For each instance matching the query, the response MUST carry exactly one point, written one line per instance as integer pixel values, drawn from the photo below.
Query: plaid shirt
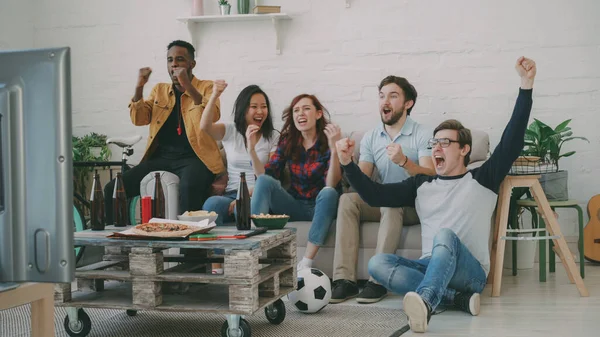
(307, 175)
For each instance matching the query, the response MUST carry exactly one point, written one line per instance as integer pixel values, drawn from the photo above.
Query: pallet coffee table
(258, 272)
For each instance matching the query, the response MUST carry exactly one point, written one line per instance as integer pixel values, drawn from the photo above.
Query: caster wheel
(275, 312)
(81, 328)
(131, 313)
(243, 330)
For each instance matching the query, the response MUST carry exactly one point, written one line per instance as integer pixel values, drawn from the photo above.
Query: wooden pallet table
(258, 272)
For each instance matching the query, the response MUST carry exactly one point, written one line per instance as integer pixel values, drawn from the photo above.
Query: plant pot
(197, 7)
(225, 9)
(525, 254)
(555, 185)
(243, 6)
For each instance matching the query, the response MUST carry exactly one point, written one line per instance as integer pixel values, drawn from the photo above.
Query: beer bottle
(242, 204)
(97, 204)
(158, 200)
(120, 210)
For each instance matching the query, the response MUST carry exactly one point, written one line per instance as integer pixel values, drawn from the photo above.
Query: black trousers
(195, 180)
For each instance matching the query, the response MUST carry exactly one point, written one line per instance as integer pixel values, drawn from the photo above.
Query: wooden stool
(532, 206)
(41, 297)
(499, 241)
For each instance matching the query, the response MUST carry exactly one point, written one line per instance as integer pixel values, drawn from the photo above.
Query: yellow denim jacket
(155, 110)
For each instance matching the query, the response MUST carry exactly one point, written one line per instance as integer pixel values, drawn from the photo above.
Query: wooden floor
(525, 307)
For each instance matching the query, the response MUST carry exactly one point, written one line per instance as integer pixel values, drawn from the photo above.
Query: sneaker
(418, 312)
(467, 302)
(343, 290)
(371, 293)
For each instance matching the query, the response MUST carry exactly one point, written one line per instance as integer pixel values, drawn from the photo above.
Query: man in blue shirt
(398, 149)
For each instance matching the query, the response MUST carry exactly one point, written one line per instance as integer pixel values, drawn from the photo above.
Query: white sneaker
(417, 312)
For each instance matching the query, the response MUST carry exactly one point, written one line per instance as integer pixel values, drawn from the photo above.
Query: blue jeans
(450, 269)
(268, 196)
(220, 204)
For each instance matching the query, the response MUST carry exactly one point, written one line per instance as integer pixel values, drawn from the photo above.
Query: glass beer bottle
(120, 210)
(158, 200)
(242, 204)
(97, 204)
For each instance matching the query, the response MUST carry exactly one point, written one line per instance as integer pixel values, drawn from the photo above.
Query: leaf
(571, 138)
(568, 154)
(562, 125)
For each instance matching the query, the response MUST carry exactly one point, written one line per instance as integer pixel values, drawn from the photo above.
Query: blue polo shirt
(413, 138)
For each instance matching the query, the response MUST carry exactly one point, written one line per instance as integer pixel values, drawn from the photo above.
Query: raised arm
(207, 122)
(492, 172)
(140, 111)
(334, 172)
(375, 194)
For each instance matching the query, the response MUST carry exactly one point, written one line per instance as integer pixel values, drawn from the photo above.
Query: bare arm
(425, 166)
(334, 174)
(366, 167)
(207, 124)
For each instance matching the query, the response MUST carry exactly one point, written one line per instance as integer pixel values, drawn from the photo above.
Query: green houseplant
(542, 151)
(545, 144)
(90, 147)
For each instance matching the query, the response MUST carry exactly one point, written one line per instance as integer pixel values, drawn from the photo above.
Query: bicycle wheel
(79, 225)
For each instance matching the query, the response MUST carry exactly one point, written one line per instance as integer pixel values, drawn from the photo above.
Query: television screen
(36, 186)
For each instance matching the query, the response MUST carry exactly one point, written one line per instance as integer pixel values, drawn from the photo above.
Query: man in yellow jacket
(175, 143)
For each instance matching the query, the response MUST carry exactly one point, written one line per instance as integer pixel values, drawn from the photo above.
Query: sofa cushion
(411, 235)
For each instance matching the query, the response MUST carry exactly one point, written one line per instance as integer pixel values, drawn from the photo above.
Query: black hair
(180, 43)
(241, 106)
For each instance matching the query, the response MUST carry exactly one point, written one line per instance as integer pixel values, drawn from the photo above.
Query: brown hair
(291, 136)
(410, 93)
(464, 135)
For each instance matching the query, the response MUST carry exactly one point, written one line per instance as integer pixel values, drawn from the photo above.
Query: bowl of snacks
(196, 216)
(270, 221)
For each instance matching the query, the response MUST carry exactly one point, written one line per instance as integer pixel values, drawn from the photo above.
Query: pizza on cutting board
(165, 230)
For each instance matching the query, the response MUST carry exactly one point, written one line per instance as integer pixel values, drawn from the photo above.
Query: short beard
(395, 118)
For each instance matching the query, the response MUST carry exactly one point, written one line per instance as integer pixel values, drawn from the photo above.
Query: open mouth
(439, 161)
(258, 120)
(302, 121)
(387, 112)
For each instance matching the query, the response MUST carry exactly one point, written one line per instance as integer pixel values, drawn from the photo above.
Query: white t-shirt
(238, 159)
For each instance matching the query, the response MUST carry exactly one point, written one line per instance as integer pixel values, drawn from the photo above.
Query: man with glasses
(455, 208)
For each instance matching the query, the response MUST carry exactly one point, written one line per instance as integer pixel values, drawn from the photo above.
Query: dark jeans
(194, 185)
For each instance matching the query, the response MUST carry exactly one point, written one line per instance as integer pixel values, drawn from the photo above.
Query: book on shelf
(266, 9)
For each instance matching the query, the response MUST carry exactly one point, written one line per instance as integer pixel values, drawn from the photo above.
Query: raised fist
(526, 68)
(144, 76)
(345, 149)
(218, 87)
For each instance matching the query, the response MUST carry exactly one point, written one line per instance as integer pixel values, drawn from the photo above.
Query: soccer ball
(313, 292)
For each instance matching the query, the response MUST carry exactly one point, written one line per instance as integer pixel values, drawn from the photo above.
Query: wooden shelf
(193, 23)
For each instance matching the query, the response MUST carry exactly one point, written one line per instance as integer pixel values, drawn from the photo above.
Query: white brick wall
(16, 24)
(459, 54)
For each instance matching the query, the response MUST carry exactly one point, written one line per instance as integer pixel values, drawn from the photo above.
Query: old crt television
(36, 180)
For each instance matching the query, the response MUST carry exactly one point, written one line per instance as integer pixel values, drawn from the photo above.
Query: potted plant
(225, 7)
(545, 145)
(90, 147)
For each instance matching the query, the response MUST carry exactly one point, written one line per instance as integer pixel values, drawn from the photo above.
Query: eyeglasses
(444, 142)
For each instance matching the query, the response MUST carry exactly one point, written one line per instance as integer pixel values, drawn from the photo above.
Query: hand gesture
(144, 76)
(345, 149)
(394, 152)
(218, 88)
(333, 133)
(181, 75)
(526, 68)
(252, 136)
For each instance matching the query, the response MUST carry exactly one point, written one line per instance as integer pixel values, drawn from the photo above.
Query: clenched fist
(527, 70)
(181, 75)
(218, 88)
(252, 136)
(144, 76)
(394, 152)
(345, 149)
